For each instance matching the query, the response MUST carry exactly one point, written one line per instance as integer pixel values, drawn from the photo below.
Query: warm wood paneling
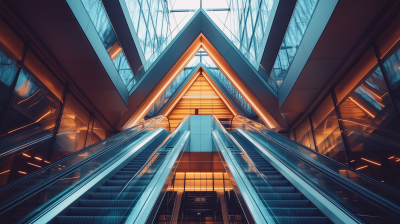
(199, 96)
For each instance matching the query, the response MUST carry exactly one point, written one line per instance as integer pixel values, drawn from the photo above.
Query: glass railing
(243, 163)
(243, 49)
(142, 70)
(221, 78)
(175, 85)
(103, 26)
(369, 200)
(153, 166)
(35, 190)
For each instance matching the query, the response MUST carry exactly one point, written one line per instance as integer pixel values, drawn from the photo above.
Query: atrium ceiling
(123, 55)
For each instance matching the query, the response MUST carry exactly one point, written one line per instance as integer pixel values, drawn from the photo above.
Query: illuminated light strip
(391, 157)
(31, 123)
(26, 155)
(117, 52)
(46, 161)
(28, 97)
(34, 165)
(38, 158)
(181, 94)
(352, 161)
(359, 168)
(166, 82)
(236, 83)
(397, 160)
(202, 41)
(371, 161)
(369, 90)
(5, 172)
(369, 113)
(22, 172)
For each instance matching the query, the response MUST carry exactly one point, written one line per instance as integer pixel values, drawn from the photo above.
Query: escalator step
(295, 211)
(119, 188)
(288, 203)
(274, 177)
(116, 182)
(122, 177)
(282, 196)
(88, 219)
(130, 173)
(303, 219)
(130, 169)
(277, 183)
(96, 211)
(105, 203)
(276, 189)
(271, 173)
(111, 195)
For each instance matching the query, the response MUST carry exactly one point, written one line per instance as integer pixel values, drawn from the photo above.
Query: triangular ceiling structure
(201, 93)
(224, 54)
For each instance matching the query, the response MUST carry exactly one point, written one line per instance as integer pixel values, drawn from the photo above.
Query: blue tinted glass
(217, 75)
(294, 34)
(101, 22)
(175, 85)
(152, 26)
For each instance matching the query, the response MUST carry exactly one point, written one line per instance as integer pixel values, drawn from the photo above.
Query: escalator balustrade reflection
(286, 202)
(104, 204)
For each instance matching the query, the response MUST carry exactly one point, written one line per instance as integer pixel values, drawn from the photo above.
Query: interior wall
(200, 162)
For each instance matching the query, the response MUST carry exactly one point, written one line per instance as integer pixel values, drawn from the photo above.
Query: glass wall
(359, 122)
(102, 24)
(298, 24)
(216, 74)
(40, 119)
(303, 134)
(242, 21)
(328, 138)
(151, 21)
(175, 85)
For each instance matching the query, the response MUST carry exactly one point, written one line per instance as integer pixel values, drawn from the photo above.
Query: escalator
(247, 175)
(103, 204)
(289, 183)
(286, 202)
(99, 184)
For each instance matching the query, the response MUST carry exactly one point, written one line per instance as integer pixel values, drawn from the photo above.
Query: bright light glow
(26, 155)
(391, 157)
(46, 161)
(359, 168)
(371, 161)
(22, 172)
(31, 123)
(38, 158)
(5, 172)
(28, 97)
(34, 165)
(364, 109)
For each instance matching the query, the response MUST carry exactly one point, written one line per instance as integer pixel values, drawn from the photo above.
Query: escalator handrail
(383, 185)
(21, 147)
(33, 174)
(242, 150)
(360, 191)
(161, 146)
(34, 189)
(164, 142)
